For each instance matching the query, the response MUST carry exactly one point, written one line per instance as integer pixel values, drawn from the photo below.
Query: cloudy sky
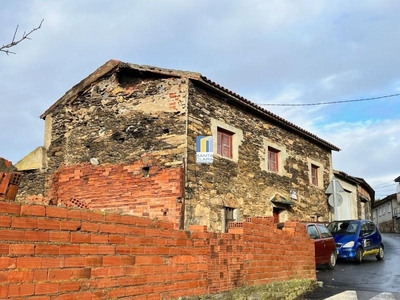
(270, 52)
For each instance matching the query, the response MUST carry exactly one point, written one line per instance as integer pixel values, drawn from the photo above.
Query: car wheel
(359, 255)
(332, 260)
(381, 253)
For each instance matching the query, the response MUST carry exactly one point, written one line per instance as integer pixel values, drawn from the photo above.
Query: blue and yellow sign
(204, 150)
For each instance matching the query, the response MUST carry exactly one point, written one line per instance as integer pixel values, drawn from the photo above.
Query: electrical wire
(331, 102)
(385, 186)
(384, 183)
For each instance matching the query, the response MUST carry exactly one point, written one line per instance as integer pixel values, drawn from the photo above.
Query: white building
(355, 195)
(386, 214)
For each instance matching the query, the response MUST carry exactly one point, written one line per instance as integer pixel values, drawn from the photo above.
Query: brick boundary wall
(144, 188)
(56, 253)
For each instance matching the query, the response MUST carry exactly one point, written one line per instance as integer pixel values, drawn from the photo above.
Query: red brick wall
(127, 188)
(53, 253)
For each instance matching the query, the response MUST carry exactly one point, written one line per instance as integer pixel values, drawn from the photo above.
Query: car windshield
(343, 227)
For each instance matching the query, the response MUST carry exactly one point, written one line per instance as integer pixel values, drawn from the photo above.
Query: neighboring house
(386, 214)
(135, 138)
(357, 198)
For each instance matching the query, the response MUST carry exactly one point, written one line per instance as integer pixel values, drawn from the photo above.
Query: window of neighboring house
(224, 143)
(273, 156)
(383, 210)
(314, 174)
(379, 210)
(388, 208)
(230, 216)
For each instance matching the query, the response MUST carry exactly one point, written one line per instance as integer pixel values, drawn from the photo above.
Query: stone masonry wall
(54, 253)
(244, 184)
(387, 226)
(32, 187)
(110, 126)
(367, 207)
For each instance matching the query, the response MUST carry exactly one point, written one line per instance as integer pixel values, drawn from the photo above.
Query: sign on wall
(204, 150)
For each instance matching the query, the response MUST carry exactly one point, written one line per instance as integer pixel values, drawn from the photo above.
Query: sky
(270, 52)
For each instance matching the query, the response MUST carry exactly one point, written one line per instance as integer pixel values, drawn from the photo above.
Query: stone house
(357, 197)
(174, 145)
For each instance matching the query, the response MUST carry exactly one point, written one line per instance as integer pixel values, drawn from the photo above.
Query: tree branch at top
(6, 48)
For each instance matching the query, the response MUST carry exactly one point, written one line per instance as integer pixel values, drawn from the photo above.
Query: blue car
(356, 239)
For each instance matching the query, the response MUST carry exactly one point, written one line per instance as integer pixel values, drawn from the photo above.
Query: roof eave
(205, 81)
(83, 84)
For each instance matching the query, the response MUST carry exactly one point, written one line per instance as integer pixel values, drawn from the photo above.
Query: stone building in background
(174, 145)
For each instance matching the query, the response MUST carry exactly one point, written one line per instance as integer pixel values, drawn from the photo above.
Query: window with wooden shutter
(273, 159)
(314, 175)
(224, 143)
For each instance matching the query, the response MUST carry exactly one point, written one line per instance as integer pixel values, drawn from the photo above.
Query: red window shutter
(226, 145)
(272, 160)
(219, 137)
(314, 175)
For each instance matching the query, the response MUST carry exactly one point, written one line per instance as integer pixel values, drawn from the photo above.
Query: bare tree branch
(6, 48)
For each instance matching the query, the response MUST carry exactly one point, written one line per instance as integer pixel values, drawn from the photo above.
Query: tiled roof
(272, 116)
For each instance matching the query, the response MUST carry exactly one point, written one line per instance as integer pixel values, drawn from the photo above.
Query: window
(313, 232)
(314, 174)
(227, 140)
(224, 143)
(383, 210)
(324, 231)
(273, 156)
(230, 216)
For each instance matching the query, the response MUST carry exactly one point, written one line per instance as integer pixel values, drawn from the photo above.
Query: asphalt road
(372, 279)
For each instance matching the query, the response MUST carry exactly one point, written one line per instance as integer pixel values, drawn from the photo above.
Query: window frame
(273, 165)
(314, 174)
(282, 157)
(221, 134)
(237, 138)
(320, 169)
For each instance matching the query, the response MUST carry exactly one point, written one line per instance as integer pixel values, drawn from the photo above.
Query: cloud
(276, 51)
(336, 80)
(367, 148)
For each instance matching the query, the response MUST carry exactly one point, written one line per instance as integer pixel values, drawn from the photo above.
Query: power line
(332, 102)
(391, 181)
(384, 186)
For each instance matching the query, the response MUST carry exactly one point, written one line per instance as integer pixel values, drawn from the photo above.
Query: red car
(325, 247)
